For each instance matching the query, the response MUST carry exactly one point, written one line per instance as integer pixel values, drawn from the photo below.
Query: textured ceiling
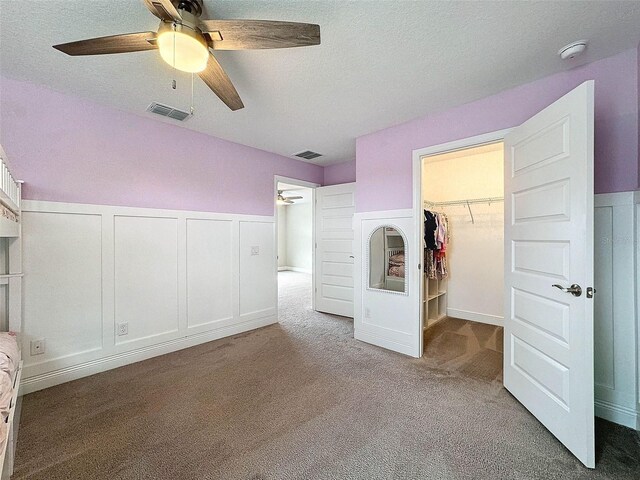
(380, 62)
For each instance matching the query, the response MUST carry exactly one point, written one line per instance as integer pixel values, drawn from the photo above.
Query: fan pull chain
(191, 110)
(173, 82)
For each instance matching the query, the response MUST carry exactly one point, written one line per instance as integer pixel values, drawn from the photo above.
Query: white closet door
(335, 206)
(548, 333)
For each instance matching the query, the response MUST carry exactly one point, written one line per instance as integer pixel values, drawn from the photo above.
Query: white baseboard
(617, 414)
(49, 379)
(476, 317)
(385, 343)
(296, 269)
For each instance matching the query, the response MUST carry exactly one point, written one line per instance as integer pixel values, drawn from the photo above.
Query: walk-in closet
(462, 194)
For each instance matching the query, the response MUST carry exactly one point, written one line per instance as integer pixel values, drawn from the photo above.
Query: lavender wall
(384, 158)
(71, 150)
(344, 172)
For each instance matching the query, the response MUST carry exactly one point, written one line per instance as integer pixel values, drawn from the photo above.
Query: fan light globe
(183, 51)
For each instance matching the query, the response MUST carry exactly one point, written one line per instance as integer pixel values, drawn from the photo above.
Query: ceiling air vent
(308, 155)
(167, 111)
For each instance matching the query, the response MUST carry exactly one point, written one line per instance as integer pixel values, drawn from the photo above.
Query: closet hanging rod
(464, 202)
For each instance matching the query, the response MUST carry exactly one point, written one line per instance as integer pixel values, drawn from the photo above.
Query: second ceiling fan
(282, 200)
(184, 41)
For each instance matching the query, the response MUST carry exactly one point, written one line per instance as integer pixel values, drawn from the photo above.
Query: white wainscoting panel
(636, 240)
(146, 277)
(211, 248)
(63, 285)
(615, 321)
(258, 289)
(176, 278)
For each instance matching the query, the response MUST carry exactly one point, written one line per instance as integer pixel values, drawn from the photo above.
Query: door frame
(418, 154)
(312, 186)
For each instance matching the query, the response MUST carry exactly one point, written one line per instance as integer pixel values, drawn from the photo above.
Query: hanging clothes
(436, 238)
(430, 226)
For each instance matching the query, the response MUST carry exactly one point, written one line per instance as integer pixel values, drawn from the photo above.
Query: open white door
(548, 331)
(335, 206)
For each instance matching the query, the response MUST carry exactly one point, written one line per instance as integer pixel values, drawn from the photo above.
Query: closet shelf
(432, 321)
(469, 201)
(431, 297)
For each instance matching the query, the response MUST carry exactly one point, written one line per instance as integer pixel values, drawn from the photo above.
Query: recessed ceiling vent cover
(307, 155)
(167, 111)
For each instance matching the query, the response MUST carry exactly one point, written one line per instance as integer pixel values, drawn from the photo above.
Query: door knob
(574, 289)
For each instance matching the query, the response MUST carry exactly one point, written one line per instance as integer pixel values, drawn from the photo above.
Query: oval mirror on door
(386, 260)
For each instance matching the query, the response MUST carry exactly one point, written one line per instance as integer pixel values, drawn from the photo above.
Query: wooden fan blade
(128, 42)
(218, 81)
(163, 9)
(257, 34)
(294, 198)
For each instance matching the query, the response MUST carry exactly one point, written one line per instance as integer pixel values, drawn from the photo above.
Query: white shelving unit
(435, 301)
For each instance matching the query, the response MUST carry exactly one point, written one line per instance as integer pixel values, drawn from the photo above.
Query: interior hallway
(298, 400)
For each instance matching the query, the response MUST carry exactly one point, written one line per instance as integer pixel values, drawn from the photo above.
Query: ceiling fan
(184, 40)
(282, 200)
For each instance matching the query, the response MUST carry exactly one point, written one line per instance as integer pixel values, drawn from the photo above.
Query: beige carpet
(466, 348)
(302, 400)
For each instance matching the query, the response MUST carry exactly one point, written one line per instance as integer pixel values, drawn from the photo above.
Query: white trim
(45, 380)
(295, 181)
(616, 199)
(38, 206)
(636, 267)
(476, 317)
(384, 214)
(617, 414)
(386, 343)
(464, 143)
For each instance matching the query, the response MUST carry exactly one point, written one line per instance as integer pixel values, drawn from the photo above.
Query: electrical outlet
(123, 328)
(37, 346)
(367, 312)
(255, 250)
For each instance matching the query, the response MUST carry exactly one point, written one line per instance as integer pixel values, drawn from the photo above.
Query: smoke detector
(573, 49)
